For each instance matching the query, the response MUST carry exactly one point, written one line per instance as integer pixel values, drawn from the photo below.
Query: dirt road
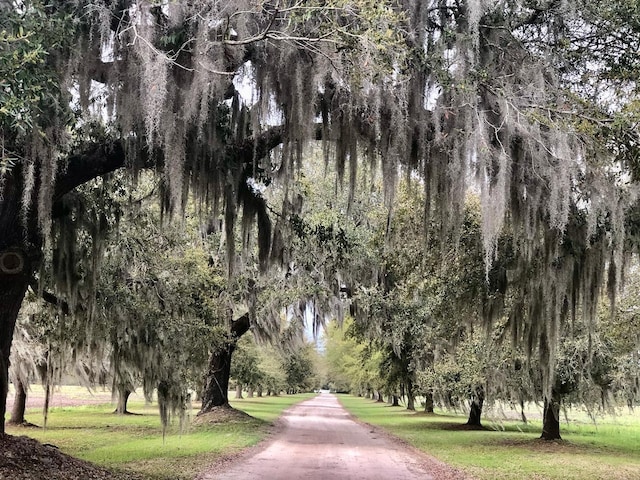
(319, 440)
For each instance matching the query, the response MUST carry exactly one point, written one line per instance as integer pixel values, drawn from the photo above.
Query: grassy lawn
(135, 442)
(512, 450)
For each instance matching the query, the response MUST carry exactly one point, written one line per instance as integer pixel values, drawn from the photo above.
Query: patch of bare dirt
(543, 446)
(22, 458)
(221, 415)
(456, 426)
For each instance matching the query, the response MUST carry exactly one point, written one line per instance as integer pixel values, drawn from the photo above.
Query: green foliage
(31, 98)
(271, 369)
(273, 376)
(365, 32)
(168, 300)
(299, 371)
(353, 366)
(245, 363)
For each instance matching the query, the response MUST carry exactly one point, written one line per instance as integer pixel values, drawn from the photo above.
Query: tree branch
(49, 297)
(240, 326)
(95, 161)
(99, 159)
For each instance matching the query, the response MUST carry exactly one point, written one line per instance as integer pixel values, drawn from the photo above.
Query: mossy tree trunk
(475, 412)
(551, 419)
(123, 397)
(19, 403)
(215, 393)
(428, 402)
(411, 405)
(13, 286)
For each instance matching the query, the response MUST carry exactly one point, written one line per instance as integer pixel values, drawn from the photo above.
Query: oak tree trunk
(551, 419)
(395, 400)
(428, 402)
(522, 414)
(215, 393)
(19, 403)
(475, 412)
(239, 391)
(410, 398)
(123, 398)
(14, 279)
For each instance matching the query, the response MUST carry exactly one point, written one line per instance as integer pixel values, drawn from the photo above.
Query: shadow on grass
(24, 424)
(435, 421)
(447, 426)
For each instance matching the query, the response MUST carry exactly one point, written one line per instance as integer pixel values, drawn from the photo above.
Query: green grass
(512, 450)
(505, 451)
(135, 442)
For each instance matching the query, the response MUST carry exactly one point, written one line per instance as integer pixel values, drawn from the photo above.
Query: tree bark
(250, 390)
(19, 403)
(239, 391)
(411, 405)
(475, 412)
(123, 398)
(395, 401)
(428, 402)
(215, 393)
(551, 419)
(522, 414)
(13, 287)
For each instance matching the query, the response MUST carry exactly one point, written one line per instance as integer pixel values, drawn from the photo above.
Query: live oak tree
(300, 369)
(160, 326)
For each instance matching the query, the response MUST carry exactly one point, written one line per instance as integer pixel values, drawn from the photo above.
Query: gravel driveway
(320, 440)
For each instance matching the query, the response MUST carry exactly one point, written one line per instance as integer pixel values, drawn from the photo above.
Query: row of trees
(417, 327)
(162, 319)
(270, 370)
(530, 105)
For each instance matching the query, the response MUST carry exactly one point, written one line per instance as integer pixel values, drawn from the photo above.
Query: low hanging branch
(49, 297)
